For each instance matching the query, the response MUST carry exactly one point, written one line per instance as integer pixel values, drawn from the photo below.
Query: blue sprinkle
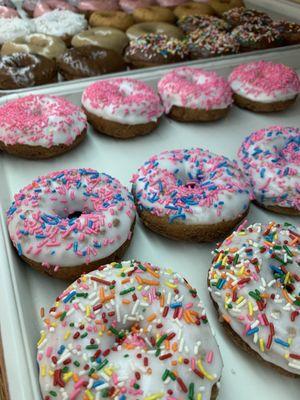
(61, 349)
(280, 341)
(70, 296)
(19, 248)
(252, 331)
(173, 217)
(97, 383)
(75, 246)
(176, 305)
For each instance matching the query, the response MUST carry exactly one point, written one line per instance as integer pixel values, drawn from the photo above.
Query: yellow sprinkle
(171, 285)
(139, 288)
(57, 303)
(67, 376)
(199, 396)
(100, 333)
(239, 300)
(88, 311)
(42, 338)
(169, 271)
(224, 262)
(220, 257)
(204, 372)
(286, 356)
(241, 233)
(250, 308)
(287, 278)
(290, 340)
(113, 264)
(180, 360)
(67, 335)
(53, 324)
(108, 371)
(43, 370)
(241, 271)
(83, 278)
(262, 345)
(50, 372)
(89, 394)
(154, 396)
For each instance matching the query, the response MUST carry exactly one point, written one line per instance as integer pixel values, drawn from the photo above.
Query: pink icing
(6, 12)
(131, 5)
(170, 3)
(42, 7)
(98, 5)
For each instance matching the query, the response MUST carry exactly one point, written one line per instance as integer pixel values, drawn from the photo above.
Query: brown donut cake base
(184, 114)
(279, 210)
(117, 130)
(71, 273)
(40, 152)
(256, 106)
(180, 231)
(239, 342)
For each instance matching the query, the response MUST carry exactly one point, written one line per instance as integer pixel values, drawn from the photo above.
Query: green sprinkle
(142, 268)
(132, 289)
(84, 335)
(118, 265)
(172, 376)
(191, 391)
(65, 370)
(91, 371)
(52, 393)
(254, 295)
(161, 339)
(236, 259)
(77, 363)
(114, 330)
(63, 315)
(71, 324)
(102, 365)
(105, 392)
(136, 386)
(91, 347)
(297, 302)
(288, 251)
(85, 295)
(157, 353)
(165, 374)
(280, 260)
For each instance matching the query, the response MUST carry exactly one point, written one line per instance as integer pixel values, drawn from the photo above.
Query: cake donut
(111, 19)
(40, 126)
(130, 5)
(190, 194)
(170, 3)
(160, 28)
(128, 330)
(254, 285)
(271, 162)
(122, 107)
(193, 94)
(263, 86)
(221, 6)
(154, 14)
(11, 28)
(89, 6)
(192, 8)
(71, 221)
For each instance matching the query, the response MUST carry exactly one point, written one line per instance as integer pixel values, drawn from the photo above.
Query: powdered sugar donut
(122, 107)
(70, 221)
(128, 331)
(190, 194)
(263, 86)
(193, 94)
(271, 162)
(254, 284)
(40, 126)
(11, 28)
(130, 5)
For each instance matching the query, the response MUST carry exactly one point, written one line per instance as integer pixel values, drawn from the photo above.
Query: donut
(153, 14)
(264, 86)
(193, 8)
(289, 31)
(70, 221)
(7, 12)
(190, 194)
(122, 107)
(241, 15)
(37, 43)
(108, 38)
(192, 22)
(28, 6)
(89, 6)
(256, 36)
(111, 19)
(40, 126)
(221, 6)
(152, 50)
(254, 285)
(160, 28)
(271, 161)
(11, 28)
(87, 61)
(130, 5)
(193, 94)
(22, 70)
(211, 42)
(43, 7)
(129, 330)
(170, 3)
(62, 23)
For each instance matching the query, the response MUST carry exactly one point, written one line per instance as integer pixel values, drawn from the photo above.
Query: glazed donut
(89, 6)
(190, 195)
(108, 38)
(45, 6)
(254, 285)
(70, 221)
(22, 70)
(271, 162)
(7, 12)
(111, 19)
(11, 28)
(170, 3)
(156, 342)
(40, 126)
(241, 15)
(122, 107)
(37, 43)
(263, 86)
(289, 31)
(87, 61)
(221, 6)
(130, 5)
(158, 28)
(193, 94)
(193, 22)
(153, 14)
(192, 8)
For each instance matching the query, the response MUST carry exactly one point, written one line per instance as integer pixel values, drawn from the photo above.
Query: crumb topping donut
(36, 43)
(266, 86)
(11, 28)
(254, 284)
(128, 330)
(22, 70)
(130, 5)
(271, 162)
(111, 19)
(108, 38)
(153, 14)
(160, 28)
(241, 15)
(192, 22)
(69, 221)
(127, 104)
(40, 126)
(186, 89)
(192, 8)
(190, 194)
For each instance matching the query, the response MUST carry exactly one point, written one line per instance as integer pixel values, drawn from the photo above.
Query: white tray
(24, 291)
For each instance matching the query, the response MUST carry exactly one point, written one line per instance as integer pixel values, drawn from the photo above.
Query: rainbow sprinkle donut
(190, 194)
(70, 221)
(128, 331)
(254, 284)
(271, 162)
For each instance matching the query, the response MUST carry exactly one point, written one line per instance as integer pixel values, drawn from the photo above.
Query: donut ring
(11, 28)
(275, 185)
(241, 15)
(193, 22)
(153, 14)
(170, 3)
(43, 7)
(130, 5)
(157, 28)
(70, 221)
(221, 6)
(111, 19)
(7, 12)
(22, 70)
(141, 311)
(192, 8)
(89, 6)
(37, 43)
(190, 195)
(254, 285)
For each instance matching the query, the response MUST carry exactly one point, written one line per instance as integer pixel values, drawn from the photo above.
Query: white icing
(60, 23)
(11, 28)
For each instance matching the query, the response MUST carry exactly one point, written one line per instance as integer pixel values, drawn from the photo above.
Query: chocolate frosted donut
(21, 70)
(86, 61)
(192, 22)
(240, 15)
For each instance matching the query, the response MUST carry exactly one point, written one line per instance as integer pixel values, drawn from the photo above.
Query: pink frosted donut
(186, 89)
(171, 3)
(98, 5)
(6, 12)
(130, 5)
(43, 7)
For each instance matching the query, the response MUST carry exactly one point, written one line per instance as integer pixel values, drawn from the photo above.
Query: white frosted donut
(254, 281)
(128, 331)
(71, 217)
(11, 28)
